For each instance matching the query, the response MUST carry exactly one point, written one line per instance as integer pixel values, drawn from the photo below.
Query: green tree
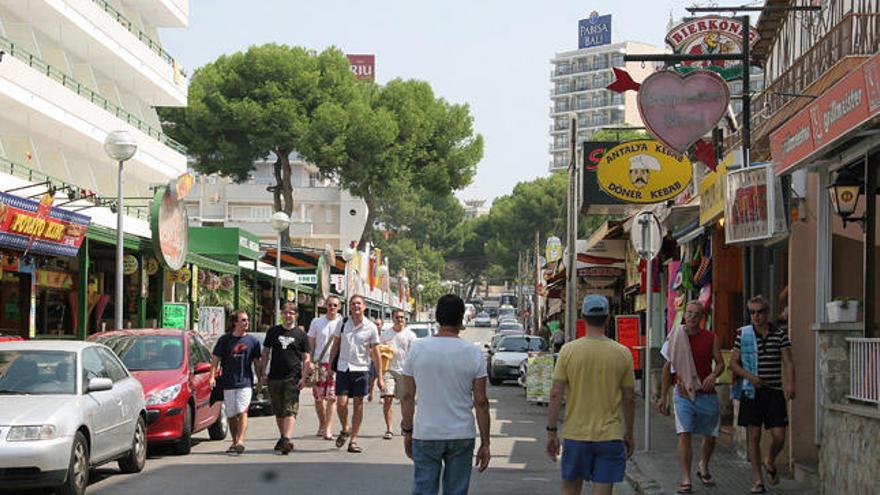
(620, 135)
(250, 105)
(397, 141)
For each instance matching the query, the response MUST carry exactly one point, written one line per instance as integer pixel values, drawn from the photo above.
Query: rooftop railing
(84, 91)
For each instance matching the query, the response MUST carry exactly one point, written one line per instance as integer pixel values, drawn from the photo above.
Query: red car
(8, 338)
(174, 368)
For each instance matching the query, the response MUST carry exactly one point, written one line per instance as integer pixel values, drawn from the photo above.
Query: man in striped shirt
(768, 408)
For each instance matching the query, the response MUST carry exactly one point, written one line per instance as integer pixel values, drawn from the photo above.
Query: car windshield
(29, 372)
(519, 344)
(483, 315)
(146, 352)
(510, 326)
(420, 331)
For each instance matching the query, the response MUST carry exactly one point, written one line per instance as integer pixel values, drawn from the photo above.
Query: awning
(288, 278)
(683, 215)
(300, 258)
(211, 263)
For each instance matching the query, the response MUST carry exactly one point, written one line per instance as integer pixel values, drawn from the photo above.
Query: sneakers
(283, 446)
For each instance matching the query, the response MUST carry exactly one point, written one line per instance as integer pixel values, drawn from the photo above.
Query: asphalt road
(316, 466)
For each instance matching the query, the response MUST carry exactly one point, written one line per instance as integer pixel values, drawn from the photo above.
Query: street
(518, 461)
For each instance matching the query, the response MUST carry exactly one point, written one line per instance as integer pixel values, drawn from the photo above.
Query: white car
(66, 407)
(507, 355)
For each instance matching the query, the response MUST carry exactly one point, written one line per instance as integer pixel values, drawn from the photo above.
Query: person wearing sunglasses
(764, 400)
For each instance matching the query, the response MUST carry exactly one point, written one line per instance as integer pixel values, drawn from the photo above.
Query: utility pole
(571, 286)
(536, 282)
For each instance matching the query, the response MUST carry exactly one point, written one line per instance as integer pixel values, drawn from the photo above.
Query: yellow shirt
(595, 369)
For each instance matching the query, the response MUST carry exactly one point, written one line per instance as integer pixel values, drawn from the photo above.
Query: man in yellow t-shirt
(595, 374)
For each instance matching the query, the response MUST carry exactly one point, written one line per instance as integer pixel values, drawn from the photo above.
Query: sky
(493, 55)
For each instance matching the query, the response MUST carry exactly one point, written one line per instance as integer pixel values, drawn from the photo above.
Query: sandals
(773, 474)
(328, 436)
(235, 449)
(354, 448)
(388, 435)
(684, 488)
(340, 440)
(758, 488)
(705, 478)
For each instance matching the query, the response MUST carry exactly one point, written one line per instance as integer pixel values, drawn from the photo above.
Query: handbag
(334, 361)
(312, 380)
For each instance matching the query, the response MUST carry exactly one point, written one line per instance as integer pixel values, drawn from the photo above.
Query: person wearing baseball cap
(595, 375)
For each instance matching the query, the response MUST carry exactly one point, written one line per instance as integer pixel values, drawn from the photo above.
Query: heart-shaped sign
(678, 110)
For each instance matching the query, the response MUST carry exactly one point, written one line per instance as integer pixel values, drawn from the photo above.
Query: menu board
(175, 315)
(539, 378)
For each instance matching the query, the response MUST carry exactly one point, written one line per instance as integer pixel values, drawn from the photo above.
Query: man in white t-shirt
(355, 344)
(321, 331)
(399, 338)
(448, 377)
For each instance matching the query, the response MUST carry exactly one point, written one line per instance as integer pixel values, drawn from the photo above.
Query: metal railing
(16, 169)
(855, 34)
(138, 33)
(864, 370)
(82, 90)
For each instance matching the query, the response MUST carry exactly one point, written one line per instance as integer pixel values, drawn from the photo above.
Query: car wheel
(220, 428)
(492, 379)
(136, 458)
(183, 445)
(78, 469)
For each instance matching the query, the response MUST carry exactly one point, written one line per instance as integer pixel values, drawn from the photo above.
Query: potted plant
(842, 309)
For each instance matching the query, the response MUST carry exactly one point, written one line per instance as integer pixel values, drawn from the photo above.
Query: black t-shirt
(236, 355)
(288, 347)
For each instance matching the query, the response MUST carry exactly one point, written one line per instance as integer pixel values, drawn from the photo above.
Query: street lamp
(347, 255)
(280, 223)
(844, 193)
(419, 289)
(383, 276)
(119, 146)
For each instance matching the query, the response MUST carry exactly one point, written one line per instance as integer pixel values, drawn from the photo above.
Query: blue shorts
(599, 462)
(701, 416)
(352, 383)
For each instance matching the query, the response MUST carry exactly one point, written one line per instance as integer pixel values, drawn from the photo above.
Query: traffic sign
(646, 235)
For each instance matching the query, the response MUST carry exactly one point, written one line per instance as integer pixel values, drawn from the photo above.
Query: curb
(642, 484)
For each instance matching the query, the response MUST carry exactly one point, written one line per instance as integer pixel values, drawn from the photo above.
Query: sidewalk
(657, 472)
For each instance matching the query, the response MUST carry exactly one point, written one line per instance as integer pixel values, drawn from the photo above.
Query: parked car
(510, 325)
(510, 351)
(174, 368)
(483, 320)
(506, 311)
(9, 338)
(423, 328)
(500, 335)
(66, 408)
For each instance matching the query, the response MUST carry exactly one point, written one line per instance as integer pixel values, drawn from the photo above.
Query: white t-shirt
(356, 344)
(321, 329)
(444, 369)
(402, 341)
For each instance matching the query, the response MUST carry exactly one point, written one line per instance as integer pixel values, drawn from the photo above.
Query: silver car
(66, 407)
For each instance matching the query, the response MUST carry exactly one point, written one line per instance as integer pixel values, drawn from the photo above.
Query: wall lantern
(844, 194)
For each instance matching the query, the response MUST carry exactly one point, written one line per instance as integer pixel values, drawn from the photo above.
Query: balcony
(93, 32)
(855, 37)
(48, 102)
(162, 13)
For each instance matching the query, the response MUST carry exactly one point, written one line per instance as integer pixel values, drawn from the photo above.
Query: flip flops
(758, 488)
(705, 478)
(388, 435)
(684, 488)
(772, 474)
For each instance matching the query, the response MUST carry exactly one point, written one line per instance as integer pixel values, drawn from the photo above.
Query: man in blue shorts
(595, 374)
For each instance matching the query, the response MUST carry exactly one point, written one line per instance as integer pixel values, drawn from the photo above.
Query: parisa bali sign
(26, 225)
(594, 30)
(678, 110)
(643, 171)
(168, 223)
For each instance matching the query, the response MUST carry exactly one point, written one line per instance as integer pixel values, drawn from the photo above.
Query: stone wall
(849, 460)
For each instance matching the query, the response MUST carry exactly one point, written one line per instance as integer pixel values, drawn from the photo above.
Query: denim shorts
(446, 461)
(701, 416)
(599, 462)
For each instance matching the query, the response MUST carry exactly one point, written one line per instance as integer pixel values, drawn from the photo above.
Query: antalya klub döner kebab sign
(643, 171)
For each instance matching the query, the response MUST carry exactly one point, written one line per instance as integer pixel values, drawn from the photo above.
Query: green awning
(211, 264)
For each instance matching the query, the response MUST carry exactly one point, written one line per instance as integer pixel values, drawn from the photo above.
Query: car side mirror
(202, 368)
(487, 346)
(99, 385)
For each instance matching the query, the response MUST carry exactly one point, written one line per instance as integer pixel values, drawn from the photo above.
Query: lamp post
(419, 289)
(347, 255)
(119, 146)
(280, 223)
(383, 276)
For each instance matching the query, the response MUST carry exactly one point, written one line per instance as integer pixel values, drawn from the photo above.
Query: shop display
(539, 378)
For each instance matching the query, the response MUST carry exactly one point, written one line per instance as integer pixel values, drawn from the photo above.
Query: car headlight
(164, 396)
(30, 432)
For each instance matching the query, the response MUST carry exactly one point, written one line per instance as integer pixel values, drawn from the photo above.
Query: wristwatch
(553, 429)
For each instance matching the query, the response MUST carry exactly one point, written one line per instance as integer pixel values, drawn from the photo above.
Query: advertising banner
(712, 187)
(711, 35)
(168, 225)
(212, 321)
(594, 30)
(175, 315)
(363, 66)
(643, 171)
(629, 335)
(539, 378)
(593, 151)
(753, 209)
(850, 102)
(28, 225)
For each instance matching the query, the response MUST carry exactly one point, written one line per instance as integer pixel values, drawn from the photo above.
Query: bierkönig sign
(643, 171)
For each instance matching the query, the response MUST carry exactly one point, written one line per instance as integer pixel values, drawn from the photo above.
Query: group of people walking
(594, 375)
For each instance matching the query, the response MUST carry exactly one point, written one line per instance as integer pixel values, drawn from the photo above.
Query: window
(93, 366)
(261, 212)
(329, 216)
(115, 370)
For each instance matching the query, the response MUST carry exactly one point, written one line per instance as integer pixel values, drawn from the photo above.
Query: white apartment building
(324, 213)
(578, 80)
(474, 208)
(74, 70)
